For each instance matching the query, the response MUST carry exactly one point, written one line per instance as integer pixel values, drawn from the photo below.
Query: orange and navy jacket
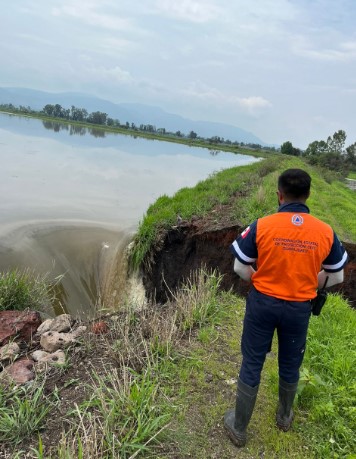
(289, 247)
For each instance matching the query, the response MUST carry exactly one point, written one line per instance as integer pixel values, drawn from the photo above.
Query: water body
(72, 199)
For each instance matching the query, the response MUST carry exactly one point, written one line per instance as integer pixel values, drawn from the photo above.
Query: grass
(172, 375)
(22, 290)
(218, 189)
(352, 175)
(173, 367)
(332, 202)
(255, 185)
(121, 418)
(23, 411)
(328, 380)
(128, 408)
(325, 410)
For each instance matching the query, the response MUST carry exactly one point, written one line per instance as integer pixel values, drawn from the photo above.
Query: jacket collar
(294, 207)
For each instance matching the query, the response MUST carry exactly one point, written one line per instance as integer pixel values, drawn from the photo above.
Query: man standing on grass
(295, 254)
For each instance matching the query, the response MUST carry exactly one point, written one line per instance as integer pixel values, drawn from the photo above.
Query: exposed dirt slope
(199, 242)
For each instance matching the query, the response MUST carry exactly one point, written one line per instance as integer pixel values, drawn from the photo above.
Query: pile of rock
(28, 345)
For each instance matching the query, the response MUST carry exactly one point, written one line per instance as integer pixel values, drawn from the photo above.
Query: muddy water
(71, 199)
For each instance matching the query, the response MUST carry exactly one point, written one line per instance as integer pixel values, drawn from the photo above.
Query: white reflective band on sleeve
(241, 254)
(338, 265)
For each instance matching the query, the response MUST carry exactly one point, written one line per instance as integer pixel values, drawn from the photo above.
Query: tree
(332, 153)
(288, 149)
(48, 109)
(336, 143)
(316, 148)
(97, 118)
(192, 135)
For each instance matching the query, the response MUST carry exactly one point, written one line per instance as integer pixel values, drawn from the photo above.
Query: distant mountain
(131, 112)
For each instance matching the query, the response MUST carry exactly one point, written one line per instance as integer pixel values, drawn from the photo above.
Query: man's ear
(280, 197)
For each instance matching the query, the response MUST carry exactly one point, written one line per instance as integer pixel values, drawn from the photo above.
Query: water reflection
(101, 184)
(72, 129)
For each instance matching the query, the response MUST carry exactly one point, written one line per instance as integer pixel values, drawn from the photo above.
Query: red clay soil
(189, 246)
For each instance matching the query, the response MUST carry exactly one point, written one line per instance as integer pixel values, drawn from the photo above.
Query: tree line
(331, 153)
(98, 118)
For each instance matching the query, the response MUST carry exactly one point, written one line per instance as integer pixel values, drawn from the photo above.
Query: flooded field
(72, 199)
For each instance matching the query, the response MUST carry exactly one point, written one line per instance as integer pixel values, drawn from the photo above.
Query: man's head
(293, 185)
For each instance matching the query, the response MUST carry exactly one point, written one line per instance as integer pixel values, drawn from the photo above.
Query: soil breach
(191, 245)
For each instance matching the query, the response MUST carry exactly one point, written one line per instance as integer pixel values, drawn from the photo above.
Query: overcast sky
(284, 70)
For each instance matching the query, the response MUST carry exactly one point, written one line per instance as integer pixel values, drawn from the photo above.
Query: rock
(100, 328)
(78, 331)
(62, 323)
(9, 351)
(18, 324)
(44, 327)
(39, 355)
(209, 378)
(19, 372)
(56, 358)
(51, 341)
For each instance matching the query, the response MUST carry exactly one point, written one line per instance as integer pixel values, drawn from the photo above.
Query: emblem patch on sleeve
(245, 233)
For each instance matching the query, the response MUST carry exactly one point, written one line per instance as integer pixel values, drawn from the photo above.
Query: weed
(197, 300)
(22, 411)
(327, 388)
(121, 419)
(22, 290)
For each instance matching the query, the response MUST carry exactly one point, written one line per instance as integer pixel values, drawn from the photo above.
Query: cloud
(199, 11)
(345, 51)
(113, 75)
(87, 13)
(252, 105)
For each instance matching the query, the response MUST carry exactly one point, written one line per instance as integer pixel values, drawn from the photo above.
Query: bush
(21, 290)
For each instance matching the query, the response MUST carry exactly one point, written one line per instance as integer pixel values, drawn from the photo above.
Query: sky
(284, 70)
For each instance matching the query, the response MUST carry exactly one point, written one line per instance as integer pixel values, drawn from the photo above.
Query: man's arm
(333, 265)
(333, 278)
(245, 252)
(244, 271)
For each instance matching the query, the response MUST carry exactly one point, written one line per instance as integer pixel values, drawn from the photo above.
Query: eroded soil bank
(187, 247)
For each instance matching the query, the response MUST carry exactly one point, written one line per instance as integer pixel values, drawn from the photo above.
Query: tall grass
(128, 408)
(20, 290)
(120, 420)
(197, 302)
(22, 412)
(328, 381)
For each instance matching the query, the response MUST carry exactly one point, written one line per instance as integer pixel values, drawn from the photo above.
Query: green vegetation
(325, 408)
(352, 175)
(255, 186)
(170, 375)
(330, 154)
(22, 412)
(328, 389)
(167, 374)
(55, 116)
(21, 290)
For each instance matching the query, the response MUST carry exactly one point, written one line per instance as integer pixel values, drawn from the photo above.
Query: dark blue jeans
(265, 314)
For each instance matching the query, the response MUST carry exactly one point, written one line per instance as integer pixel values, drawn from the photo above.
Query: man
(295, 254)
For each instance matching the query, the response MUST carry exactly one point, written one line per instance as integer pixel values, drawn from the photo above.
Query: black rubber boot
(285, 413)
(236, 420)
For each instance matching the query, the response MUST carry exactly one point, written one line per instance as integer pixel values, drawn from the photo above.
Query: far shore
(199, 142)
